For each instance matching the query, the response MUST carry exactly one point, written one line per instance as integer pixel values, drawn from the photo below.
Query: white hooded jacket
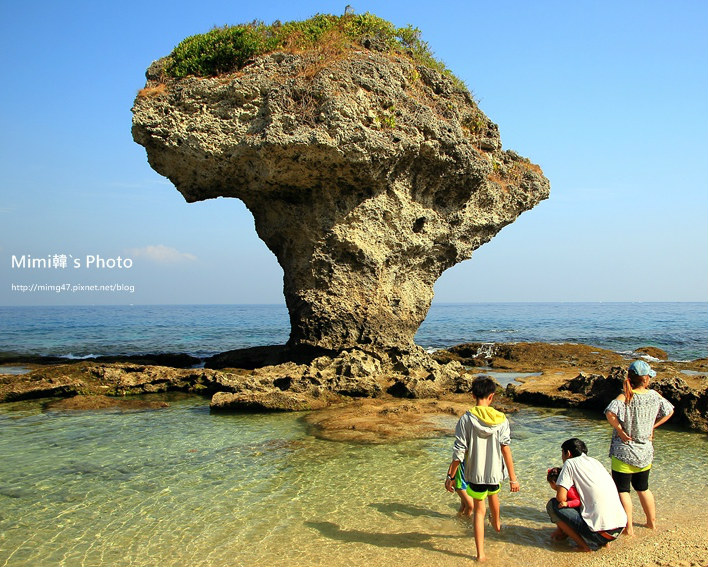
(479, 437)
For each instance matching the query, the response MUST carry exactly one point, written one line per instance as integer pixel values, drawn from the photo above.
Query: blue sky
(608, 97)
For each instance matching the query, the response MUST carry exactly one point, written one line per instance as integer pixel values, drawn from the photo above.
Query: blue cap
(641, 368)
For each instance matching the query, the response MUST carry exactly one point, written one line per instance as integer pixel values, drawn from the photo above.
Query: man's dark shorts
(572, 517)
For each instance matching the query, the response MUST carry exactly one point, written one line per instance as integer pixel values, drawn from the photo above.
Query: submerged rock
(264, 401)
(98, 402)
(379, 421)
(652, 352)
(367, 174)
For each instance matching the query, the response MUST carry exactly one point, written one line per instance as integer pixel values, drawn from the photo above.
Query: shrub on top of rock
(230, 48)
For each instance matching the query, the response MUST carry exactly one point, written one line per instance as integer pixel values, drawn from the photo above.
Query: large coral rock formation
(367, 176)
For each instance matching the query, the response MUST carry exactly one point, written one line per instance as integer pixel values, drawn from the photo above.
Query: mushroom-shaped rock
(368, 174)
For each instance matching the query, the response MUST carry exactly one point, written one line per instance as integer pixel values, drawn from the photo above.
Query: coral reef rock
(367, 176)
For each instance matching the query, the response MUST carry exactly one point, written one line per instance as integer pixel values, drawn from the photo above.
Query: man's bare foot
(628, 531)
(558, 535)
(481, 558)
(650, 525)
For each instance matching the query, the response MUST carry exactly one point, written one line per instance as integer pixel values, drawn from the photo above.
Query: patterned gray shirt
(637, 419)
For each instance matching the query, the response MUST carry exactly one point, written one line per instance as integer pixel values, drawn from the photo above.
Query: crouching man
(601, 518)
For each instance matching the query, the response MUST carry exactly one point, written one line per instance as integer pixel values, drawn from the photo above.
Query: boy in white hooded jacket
(482, 439)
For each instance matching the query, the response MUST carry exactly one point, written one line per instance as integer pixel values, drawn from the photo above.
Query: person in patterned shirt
(634, 415)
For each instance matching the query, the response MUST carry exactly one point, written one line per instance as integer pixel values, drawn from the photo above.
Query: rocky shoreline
(361, 396)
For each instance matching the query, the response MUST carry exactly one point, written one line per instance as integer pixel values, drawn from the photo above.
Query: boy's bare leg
(572, 534)
(494, 512)
(479, 512)
(466, 503)
(626, 500)
(646, 498)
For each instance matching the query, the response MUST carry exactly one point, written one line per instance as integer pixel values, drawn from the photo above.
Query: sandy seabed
(684, 545)
(680, 542)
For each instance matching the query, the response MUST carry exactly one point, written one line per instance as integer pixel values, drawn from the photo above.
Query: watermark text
(71, 288)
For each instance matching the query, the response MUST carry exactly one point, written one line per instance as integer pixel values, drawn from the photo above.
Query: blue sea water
(184, 486)
(681, 329)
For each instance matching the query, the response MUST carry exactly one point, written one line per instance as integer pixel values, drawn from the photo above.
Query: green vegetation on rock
(230, 48)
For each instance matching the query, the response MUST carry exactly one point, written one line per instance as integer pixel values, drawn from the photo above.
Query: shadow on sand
(395, 508)
(408, 540)
(524, 536)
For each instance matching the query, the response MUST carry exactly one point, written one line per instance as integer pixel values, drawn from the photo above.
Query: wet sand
(681, 542)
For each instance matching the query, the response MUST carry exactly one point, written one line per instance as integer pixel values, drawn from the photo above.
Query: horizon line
(518, 302)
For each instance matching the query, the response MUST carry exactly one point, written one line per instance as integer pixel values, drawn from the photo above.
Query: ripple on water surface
(182, 486)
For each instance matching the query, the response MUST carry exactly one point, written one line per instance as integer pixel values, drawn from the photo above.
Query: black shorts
(639, 480)
(481, 491)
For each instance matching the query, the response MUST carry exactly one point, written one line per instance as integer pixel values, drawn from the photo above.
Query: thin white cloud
(162, 254)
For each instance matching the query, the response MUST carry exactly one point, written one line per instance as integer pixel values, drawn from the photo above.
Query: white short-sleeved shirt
(601, 509)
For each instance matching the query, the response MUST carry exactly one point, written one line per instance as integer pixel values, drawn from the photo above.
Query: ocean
(184, 486)
(681, 329)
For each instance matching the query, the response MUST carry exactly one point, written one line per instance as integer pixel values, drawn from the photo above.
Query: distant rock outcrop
(368, 176)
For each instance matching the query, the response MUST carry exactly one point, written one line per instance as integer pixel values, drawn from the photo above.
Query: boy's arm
(572, 498)
(562, 496)
(459, 449)
(509, 462)
(450, 478)
(574, 503)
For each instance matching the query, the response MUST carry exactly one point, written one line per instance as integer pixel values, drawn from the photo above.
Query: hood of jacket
(487, 419)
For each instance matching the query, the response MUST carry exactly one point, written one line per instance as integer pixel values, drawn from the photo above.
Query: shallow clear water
(181, 486)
